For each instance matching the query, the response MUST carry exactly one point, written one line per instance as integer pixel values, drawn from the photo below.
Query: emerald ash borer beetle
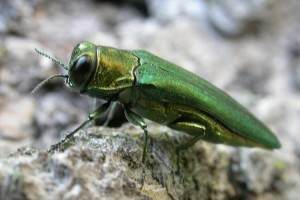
(150, 87)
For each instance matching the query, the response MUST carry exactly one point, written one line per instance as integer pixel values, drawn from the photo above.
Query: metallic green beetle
(150, 87)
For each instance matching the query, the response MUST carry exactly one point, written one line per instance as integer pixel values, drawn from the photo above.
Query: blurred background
(250, 49)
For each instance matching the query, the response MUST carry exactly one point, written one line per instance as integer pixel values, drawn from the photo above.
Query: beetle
(150, 87)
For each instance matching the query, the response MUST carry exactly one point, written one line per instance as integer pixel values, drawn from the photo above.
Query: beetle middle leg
(94, 115)
(138, 120)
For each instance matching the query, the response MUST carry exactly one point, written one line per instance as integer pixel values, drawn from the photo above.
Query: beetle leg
(94, 115)
(111, 112)
(193, 128)
(138, 120)
(188, 144)
(196, 129)
(95, 106)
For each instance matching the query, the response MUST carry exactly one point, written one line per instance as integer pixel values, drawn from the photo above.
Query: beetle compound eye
(81, 71)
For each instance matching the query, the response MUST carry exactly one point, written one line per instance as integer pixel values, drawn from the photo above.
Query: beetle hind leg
(193, 128)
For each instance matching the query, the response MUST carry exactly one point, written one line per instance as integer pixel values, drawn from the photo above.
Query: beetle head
(81, 68)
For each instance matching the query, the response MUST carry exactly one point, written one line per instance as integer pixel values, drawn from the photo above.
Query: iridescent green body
(150, 87)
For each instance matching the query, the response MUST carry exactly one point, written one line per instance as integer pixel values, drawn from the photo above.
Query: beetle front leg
(138, 120)
(94, 115)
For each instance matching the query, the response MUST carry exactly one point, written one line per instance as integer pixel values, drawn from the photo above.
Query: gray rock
(234, 18)
(102, 163)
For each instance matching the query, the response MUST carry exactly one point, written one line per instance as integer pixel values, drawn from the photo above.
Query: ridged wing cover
(171, 83)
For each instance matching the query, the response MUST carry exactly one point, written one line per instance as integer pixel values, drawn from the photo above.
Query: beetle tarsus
(57, 145)
(143, 177)
(94, 115)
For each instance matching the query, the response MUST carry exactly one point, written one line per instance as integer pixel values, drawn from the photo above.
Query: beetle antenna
(44, 82)
(52, 58)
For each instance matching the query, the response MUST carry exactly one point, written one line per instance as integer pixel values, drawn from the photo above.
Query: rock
(105, 163)
(16, 119)
(171, 10)
(233, 18)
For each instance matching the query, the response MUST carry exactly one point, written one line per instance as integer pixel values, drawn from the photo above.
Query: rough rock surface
(105, 163)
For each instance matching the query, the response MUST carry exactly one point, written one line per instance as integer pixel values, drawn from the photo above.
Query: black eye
(81, 71)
